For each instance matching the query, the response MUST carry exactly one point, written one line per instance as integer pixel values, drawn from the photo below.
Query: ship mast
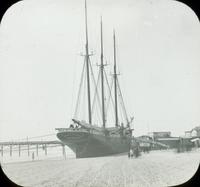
(115, 82)
(87, 67)
(102, 78)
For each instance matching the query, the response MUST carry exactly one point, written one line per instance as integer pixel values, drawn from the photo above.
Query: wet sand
(158, 168)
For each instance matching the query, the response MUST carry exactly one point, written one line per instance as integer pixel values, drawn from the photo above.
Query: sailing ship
(87, 139)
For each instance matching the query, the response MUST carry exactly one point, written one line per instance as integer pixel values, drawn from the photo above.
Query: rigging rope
(95, 94)
(110, 95)
(98, 98)
(122, 102)
(84, 99)
(80, 86)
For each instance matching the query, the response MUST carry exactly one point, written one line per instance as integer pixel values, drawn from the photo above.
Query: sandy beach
(158, 168)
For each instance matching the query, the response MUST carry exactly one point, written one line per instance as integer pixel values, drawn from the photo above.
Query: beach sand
(158, 168)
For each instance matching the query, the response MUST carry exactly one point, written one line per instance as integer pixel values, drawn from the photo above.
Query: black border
(193, 182)
(193, 4)
(5, 181)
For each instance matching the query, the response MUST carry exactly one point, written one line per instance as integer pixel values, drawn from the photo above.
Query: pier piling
(10, 149)
(28, 151)
(1, 150)
(37, 149)
(45, 148)
(64, 152)
(19, 150)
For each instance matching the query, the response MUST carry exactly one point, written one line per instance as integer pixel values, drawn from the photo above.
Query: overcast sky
(158, 44)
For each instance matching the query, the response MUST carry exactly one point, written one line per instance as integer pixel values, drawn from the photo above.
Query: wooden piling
(37, 149)
(19, 150)
(1, 150)
(10, 149)
(45, 148)
(28, 150)
(64, 152)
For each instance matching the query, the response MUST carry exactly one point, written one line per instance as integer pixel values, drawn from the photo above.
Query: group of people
(73, 126)
(184, 145)
(134, 150)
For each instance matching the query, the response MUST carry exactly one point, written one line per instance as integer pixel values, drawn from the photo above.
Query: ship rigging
(90, 139)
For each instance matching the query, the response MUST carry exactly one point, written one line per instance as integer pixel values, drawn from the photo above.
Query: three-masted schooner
(85, 138)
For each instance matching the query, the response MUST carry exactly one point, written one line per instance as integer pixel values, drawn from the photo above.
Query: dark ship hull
(87, 144)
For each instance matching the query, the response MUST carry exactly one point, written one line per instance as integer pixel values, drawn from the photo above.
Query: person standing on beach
(131, 153)
(33, 156)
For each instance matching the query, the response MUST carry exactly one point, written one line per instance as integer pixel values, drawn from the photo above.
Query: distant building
(196, 142)
(145, 142)
(164, 137)
(145, 138)
(193, 133)
(162, 134)
(188, 134)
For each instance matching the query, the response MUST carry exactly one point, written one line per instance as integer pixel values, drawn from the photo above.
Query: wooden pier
(43, 144)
